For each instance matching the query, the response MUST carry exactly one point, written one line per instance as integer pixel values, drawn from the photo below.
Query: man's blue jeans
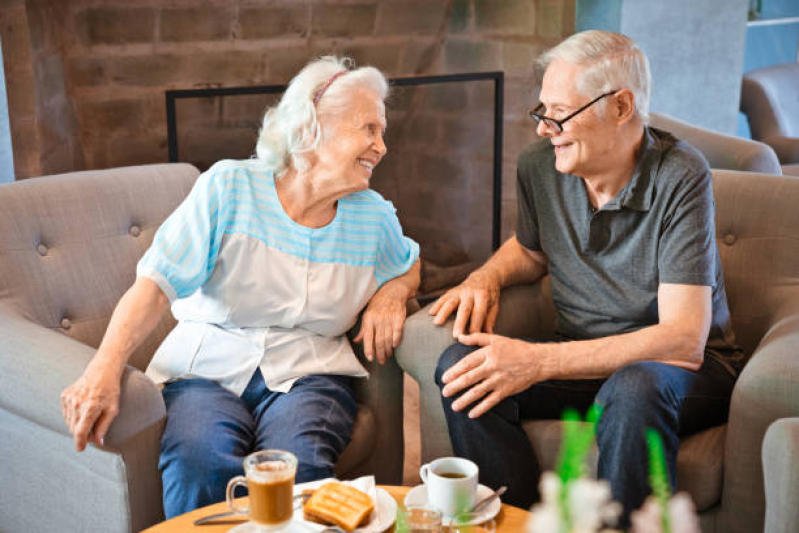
(672, 400)
(210, 430)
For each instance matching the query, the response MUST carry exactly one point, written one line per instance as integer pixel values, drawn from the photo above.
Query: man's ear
(623, 107)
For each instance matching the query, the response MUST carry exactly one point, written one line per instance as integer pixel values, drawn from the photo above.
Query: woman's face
(352, 142)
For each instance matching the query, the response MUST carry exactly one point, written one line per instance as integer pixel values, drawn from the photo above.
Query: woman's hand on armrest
(384, 317)
(91, 403)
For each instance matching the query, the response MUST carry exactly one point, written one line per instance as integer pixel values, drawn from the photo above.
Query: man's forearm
(599, 358)
(513, 264)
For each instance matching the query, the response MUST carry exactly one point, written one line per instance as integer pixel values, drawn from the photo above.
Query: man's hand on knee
(501, 368)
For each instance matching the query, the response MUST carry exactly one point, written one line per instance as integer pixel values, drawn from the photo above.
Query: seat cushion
(361, 444)
(699, 462)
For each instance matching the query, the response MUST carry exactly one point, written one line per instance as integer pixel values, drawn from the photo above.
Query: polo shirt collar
(638, 192)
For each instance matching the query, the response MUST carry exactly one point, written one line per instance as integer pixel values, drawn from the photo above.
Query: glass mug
(269, 478)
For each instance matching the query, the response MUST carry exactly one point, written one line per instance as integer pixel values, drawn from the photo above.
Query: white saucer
(295, 526)
(418, 496)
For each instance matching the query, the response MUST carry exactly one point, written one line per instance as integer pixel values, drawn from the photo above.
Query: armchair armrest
(781, 474)
(522, 313)
(38, 364)
(767, 389)
(383, 393)
(787, 148)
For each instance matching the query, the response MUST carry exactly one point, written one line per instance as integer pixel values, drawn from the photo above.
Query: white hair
(291, 131)
(613, 61)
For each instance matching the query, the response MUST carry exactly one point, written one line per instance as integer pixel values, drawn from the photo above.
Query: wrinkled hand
(381, 324)
(501, 368)
(90, 405)
(476, 298)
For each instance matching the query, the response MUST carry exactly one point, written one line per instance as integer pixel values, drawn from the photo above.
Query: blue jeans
(672, 400)
(209, 431)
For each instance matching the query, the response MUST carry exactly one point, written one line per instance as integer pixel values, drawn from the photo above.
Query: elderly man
(620, 215)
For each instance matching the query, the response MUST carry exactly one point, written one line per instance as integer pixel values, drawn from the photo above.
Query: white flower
(589, 505)
(682, 516)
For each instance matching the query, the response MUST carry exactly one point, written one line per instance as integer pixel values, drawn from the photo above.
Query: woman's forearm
(135, 316)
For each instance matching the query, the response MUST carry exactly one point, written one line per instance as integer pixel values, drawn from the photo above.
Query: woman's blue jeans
(672, 400)
(209, 431)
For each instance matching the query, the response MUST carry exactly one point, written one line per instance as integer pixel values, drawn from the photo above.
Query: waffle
(339, 504)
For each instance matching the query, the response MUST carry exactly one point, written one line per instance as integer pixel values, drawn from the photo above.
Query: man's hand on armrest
(476, 300)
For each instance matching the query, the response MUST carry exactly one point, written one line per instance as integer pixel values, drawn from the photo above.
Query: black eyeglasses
(550, 122)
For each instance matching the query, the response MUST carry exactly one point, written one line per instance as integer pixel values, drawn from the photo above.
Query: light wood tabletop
(509, 520)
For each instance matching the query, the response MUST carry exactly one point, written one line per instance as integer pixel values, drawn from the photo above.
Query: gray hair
(291, 132)
(613, 61)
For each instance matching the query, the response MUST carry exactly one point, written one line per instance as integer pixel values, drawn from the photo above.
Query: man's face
(585, 146)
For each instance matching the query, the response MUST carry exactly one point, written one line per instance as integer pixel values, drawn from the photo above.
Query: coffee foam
(271, 471)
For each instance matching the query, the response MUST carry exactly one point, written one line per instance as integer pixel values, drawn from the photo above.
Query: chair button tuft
(42, 249)
(135, 231)
(729, 239)
(65, 323)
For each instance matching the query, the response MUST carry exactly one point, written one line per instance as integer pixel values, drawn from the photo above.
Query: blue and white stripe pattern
(230, 258)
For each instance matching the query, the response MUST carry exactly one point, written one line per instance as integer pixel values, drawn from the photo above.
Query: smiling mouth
(369, 165)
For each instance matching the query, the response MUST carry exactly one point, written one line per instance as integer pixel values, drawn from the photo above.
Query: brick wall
(86, 78)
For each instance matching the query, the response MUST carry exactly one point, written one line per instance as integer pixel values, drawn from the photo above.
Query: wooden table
(510, 519)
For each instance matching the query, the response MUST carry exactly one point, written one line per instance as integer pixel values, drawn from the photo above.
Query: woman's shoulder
(368, 200)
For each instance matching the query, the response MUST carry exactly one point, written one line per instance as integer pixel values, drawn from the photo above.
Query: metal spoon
(467, 517)
(298, 500)
(482, 504)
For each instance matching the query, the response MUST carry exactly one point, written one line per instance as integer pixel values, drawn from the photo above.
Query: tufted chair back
(69, 247)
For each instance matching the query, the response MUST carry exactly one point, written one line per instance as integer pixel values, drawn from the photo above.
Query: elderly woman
(266, 264)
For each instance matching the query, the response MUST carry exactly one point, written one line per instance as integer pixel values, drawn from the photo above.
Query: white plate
(384, 517)
(418, 496)
(295, 526)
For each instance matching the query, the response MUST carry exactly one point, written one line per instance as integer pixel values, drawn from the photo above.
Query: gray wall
(695, 50)
(6, 156)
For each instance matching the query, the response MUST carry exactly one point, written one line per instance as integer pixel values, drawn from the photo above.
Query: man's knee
(638, 391)
(449, 358)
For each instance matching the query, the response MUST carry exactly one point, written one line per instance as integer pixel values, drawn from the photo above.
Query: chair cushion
(699, 462)
(361, 444)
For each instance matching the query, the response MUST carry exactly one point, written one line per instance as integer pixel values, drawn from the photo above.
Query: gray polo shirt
(606, 265)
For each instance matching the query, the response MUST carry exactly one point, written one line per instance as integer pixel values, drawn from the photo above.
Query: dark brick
(344, 20)
(194, 24)
(467, 56)
(446, 97)
(509, 16)
(550, 18)
(131, 150)
(116, 26)
(146, 71)
(282, 64)
(232, 68)
(418, 57)
(269, 22)
(459, 17)
(101, 118)
(472, 134)
(87, 71)
(441, 171)
(384, 57)
(411, 17)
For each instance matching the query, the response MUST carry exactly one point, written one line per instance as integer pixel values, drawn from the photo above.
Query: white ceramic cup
(451, 484)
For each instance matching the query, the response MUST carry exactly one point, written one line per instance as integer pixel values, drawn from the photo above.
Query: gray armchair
(720, 150)
(769, 101)
(781, 473)
(68, 250)
(757, 225)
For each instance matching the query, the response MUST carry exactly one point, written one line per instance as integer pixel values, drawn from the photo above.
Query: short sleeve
(396, 253)
(687, 243)
(184, 250)
(526, 222)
